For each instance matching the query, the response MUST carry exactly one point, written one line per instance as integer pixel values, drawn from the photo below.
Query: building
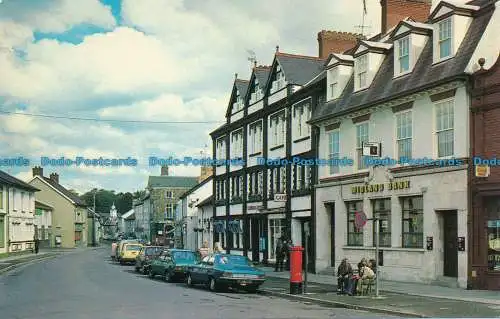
(407, 92)
(484, 220)
(165, 192)
(142, 209)
(191, 216)
(205, 221)
(69, 214)
(17, 209)
(43, 224)
(127, 223)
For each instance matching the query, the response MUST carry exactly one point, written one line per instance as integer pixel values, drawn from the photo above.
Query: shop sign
(482, 170)
(375, 188)
(280, 197)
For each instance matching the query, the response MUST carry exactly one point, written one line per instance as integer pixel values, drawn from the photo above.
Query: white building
(408, 92)
(193, 233)
(43, 224)
(17, 209)
(127, 222)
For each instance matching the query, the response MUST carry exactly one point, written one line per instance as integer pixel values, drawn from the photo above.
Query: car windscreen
(233, 260)
(133, 247)
(184, 255)
(153, 251)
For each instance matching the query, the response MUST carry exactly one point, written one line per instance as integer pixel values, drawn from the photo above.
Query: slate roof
(172, 181)
(10, 180)
(298, 69)
(129, 215)
(197, 186)
(242, 86)
(207, 201)
(384, 87)
(76, 199)
(262, 73)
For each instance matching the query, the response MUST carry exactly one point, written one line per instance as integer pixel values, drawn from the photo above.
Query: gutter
(463, 77)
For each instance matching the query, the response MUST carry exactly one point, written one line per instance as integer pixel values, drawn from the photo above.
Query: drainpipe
(7, 218)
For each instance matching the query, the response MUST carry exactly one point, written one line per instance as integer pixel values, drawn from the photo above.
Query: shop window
(493, 210)
(276, 228)
(354, 234)
(382, 210)
(413, 222)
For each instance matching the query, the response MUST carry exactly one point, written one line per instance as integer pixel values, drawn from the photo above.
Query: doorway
(310, 257)
(331, 208)
(254, 237)
(450, 231)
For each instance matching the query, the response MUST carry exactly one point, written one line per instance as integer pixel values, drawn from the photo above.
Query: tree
(104, 199)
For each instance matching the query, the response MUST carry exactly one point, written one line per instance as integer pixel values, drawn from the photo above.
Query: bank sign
(375, 188)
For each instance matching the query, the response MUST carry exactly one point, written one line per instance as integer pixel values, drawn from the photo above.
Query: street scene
(255, 159)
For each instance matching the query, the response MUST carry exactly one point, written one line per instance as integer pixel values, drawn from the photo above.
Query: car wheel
(137, 269)
(168, 276)
(212, 285)
(151, 274)
(189, 280)
(252, 289)
(144, 270)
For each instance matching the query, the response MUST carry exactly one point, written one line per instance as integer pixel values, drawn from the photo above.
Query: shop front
(421, 215)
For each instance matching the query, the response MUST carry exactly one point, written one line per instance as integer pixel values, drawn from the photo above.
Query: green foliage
(104, 199)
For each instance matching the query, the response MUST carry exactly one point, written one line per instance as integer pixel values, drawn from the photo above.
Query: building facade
(17, 210)
(69, 215)
(142, 208)
(43, 224)
(407, 94)
(484, 220)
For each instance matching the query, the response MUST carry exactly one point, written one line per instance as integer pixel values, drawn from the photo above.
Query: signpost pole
(377, 239)
(306, 259)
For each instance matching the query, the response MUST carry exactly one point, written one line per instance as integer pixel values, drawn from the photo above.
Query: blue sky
(148, 60)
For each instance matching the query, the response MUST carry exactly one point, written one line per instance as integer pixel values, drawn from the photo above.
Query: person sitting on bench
(344, 273)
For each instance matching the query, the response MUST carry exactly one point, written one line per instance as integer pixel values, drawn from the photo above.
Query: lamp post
(93, 223)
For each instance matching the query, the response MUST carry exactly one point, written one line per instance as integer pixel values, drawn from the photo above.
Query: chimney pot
(37, 171)
(54, 177)
(164, 171)
(277, 48)
(394, 11)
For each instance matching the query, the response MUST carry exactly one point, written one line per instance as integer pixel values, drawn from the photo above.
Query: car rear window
(153, 250)
(133, 247)
(184, 255)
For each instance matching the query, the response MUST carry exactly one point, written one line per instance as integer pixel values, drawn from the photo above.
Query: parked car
(221, 271)
(129, 253)
(119, 248)
(172, 264)
(145, 256)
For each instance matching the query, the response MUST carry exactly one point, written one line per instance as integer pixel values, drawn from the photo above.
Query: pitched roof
(7, 179)
(260, 72)
(424, 74)
(298, 69)
(76, 199)
(42, 205)
(172, 181)
(241, 86)
(207, 201)
(197, 186)
(129, 215)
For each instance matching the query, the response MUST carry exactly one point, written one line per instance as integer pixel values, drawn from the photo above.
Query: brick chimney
(206, 171)
(37, 171)
(164, 170)
(54, 177)
(394, 11)
(335, 42)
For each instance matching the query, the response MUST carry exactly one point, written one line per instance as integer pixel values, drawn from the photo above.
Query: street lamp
(93, 223)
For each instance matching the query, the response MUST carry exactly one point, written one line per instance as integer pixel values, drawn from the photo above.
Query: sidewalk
(402, 299)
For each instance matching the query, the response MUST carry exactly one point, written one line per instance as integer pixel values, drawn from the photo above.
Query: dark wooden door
(450, 244)
(332, 234)
(254, 229)
(310, 259)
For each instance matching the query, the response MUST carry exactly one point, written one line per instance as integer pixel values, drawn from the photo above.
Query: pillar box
(296, 270)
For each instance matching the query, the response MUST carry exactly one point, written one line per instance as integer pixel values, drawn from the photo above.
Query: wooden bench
(366, 286)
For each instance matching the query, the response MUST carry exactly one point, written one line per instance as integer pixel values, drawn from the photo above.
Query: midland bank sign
(374, 188)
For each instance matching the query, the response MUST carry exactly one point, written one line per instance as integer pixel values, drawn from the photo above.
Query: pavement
(87, 284)
(401, 299)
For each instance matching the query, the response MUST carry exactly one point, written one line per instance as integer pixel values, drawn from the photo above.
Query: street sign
(482, 170)
(360, 219)
(372, 149)
(280, 197)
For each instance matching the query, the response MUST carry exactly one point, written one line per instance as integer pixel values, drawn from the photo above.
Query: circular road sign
(360, 219)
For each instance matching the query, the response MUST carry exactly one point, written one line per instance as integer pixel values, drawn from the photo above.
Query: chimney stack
(37, 171)
(335, 42)
(54, 177)
(394, 11)
(206, 171)
(164, 170)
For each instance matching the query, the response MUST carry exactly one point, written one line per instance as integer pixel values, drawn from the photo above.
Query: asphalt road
(89, 285)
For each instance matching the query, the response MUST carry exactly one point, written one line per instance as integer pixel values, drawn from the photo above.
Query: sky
(148, 60)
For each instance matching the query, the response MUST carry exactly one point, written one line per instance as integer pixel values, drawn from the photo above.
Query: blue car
(221, 271)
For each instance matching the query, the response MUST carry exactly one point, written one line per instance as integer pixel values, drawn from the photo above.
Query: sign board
(482, 170)
(280, 197)
(377, 188)
(360, 219)
(372, 149)
(461, 244)
(430, 243)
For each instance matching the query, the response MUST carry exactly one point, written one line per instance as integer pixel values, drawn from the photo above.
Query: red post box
(296, 270)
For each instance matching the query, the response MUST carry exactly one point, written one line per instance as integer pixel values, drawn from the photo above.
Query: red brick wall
(335, 42)
(394, 11)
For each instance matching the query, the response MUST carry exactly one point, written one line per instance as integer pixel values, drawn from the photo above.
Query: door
(2, 233)
(332, 234)
(450, 244)
(306, 223)
(254, 229)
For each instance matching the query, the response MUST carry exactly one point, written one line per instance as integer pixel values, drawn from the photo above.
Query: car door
(196, 273)
(207, 269)
(165, 262)
(156, 263)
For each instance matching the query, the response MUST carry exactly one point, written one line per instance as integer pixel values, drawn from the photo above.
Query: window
(282, 180)
(334, 150)
(298, 177)
(221, 148)
(257, 93)
(14, 200)
(444, 128)
(444, 42)
(382, 210)
(333, 79)
(237, 227)
(1, 197)
(404, 55)
(23, 201)
(255, 138)
(301, 114)
(169, 194)
(362, 66)
(413, 222)
(276, 228)
(278, 128)
(354, 234)
(236, 144)
(404, 134)
(169, 211)
(361, 137)
(279, 82)
(238, 104)
(493, 233)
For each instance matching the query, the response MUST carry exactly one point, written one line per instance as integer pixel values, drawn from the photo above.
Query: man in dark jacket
(37, 244)
(344, 273)
(280, 254)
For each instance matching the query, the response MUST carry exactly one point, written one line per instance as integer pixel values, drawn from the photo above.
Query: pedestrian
(37, 243)
(217, 248)
(204, 250)
(344, 273)
(288, 248)
(280, 252)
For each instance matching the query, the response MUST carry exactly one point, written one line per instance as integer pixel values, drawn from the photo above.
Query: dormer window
(256, 94)
(238, 104)
(445, 39)
(362, 69)
(279, 82)
(334, 79)
(404, 55)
